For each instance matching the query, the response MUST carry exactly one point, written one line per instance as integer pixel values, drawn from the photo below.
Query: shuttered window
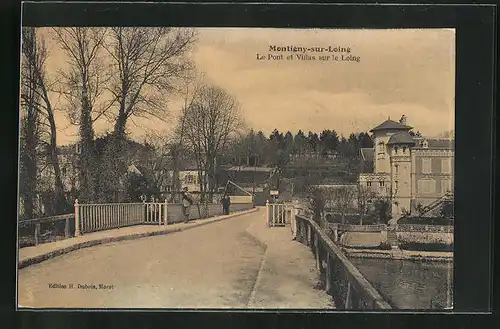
(426, 166)
(426, 186)
(446, 166)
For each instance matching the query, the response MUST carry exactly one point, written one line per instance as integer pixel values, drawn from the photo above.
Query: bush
(385, 246)
(427, 221)
(426, 246)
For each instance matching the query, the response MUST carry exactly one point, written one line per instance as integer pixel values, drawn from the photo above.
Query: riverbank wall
(398, 254)
(373, 236)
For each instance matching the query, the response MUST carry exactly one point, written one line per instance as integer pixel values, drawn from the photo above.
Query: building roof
(251, 169)
(436, 143)
(390, 125)
(402, 137)
(367, 154)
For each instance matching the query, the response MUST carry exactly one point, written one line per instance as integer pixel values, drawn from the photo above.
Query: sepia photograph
(236, 168)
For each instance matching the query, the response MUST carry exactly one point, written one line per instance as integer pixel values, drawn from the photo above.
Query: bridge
(265, 257)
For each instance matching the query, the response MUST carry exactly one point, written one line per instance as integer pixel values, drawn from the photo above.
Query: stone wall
(362, 239)
(425, 237)
(374, 235)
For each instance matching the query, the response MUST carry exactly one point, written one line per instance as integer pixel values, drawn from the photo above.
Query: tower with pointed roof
(392, 162)
(381, 135)
(400, 145)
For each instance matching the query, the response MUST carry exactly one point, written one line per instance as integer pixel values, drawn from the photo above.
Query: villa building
(407, 169)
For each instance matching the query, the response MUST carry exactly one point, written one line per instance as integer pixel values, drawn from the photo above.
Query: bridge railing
(95, 217)
(339, 277)
(36, 225)
(278, 214)
(99, 217)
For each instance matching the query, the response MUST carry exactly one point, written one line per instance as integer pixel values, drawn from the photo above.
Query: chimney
(403, 120)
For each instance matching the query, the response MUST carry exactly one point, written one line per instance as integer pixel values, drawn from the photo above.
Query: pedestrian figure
(228, 204)
(225, 205)
(186, 204)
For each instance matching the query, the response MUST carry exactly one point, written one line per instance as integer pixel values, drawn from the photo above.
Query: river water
(409, 284)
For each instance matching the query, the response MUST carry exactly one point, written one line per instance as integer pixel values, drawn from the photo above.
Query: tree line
(277, 148)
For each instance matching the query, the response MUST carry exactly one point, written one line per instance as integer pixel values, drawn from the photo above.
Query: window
(446, 166)
(368, 183)
(63, 170)
(404, 149)
(426, 166)
(426, 186)
(78, 148)
(395, 149)
(189, 179)
(396, 168)
(396, 184)
(381, 147)
(381, 184)
(445, 186)
(425, 144)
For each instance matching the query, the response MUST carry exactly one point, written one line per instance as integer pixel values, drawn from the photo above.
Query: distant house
(189, 177)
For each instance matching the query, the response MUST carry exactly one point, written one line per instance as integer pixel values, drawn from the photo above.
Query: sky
(410, 72)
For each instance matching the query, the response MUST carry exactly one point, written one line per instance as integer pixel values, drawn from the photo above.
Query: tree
(177, 145)
(328, 141)
(83, 86)
(316, 203)
(382, 210)
(365, 196)
(136, 186)
(34, 56)
(210, 121)
(288, 140)
(299, 142)
(30, 126)
(145, 63)
(159, 158)
(313, 141)
(343, 199)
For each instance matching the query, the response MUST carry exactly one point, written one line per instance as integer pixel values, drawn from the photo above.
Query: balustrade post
(348, 296)
(293, 223)
(328, 275)
(309, 234)
(38, 234)
(335, 233)
(77, 218)
(316, 250)
(165, 217)
(66, 228)
(267, 213)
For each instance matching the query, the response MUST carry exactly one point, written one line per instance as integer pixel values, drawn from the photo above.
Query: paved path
(37, 254)
(211, 266)
(288, 273)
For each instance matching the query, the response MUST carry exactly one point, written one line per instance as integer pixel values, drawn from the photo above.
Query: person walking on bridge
(226, 202)
(187, 201)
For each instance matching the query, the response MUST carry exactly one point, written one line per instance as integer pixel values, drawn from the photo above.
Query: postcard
(236, 168)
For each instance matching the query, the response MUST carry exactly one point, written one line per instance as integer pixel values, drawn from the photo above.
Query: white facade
(408, 170)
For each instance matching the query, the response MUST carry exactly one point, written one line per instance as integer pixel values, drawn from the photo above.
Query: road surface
(211, 266)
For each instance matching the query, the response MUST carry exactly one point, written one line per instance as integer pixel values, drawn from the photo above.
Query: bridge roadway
(219, 265)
